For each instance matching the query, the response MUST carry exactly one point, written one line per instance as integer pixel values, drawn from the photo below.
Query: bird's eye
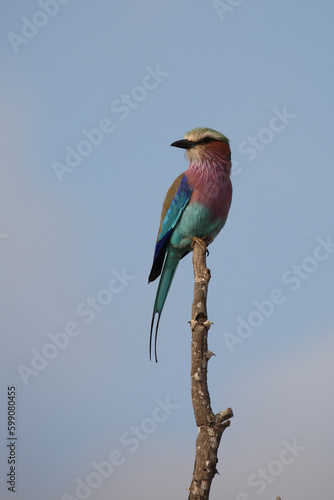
(206, 140)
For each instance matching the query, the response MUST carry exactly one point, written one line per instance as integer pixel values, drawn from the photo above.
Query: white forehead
(199, 133)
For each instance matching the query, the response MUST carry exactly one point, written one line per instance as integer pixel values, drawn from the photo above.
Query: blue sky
(92, 95)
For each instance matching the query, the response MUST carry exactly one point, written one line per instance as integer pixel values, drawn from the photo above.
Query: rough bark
(210, 426)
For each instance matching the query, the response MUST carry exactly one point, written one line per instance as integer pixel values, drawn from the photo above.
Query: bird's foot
(203, 242)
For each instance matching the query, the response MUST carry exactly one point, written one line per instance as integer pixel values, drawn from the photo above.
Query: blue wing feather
(168, 224)
(176, 207)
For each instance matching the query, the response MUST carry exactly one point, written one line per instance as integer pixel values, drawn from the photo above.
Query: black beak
(184, 144)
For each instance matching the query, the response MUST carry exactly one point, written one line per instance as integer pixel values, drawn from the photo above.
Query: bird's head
(201, 142)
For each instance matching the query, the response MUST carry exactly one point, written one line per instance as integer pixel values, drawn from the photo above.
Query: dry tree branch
(210, 426)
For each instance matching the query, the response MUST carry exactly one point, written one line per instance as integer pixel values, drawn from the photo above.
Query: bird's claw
(203, 243)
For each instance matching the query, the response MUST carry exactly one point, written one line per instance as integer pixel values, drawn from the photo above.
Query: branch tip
(224, 415)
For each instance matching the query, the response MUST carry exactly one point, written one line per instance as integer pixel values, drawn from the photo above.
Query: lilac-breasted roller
(196, 206)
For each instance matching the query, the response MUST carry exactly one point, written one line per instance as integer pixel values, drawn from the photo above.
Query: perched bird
(196, 206)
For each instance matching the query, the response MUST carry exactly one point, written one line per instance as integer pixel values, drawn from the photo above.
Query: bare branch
(210, 426)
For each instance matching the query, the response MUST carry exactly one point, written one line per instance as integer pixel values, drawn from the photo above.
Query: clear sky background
(80, 211)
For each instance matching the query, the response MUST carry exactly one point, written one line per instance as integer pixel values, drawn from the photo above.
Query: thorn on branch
(208, 324)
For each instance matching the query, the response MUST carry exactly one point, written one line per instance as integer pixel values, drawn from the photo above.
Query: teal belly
(196, 221)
